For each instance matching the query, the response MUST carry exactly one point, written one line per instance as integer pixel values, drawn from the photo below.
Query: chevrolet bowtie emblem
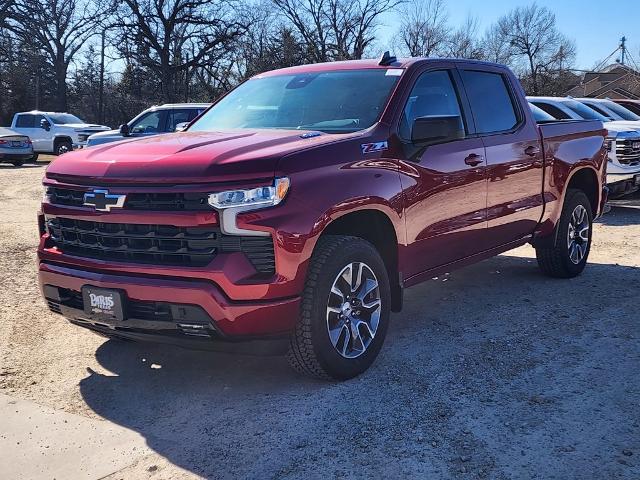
(103, 201)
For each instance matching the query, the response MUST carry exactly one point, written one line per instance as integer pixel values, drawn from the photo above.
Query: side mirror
(181, 127)
(124, 130)
(436, 129)
(44, 124)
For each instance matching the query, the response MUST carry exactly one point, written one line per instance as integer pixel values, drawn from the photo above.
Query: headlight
(259, 197)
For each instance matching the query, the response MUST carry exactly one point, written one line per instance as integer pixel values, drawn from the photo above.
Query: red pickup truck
(302, 204)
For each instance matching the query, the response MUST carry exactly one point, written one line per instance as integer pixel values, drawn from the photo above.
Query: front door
(445, 185)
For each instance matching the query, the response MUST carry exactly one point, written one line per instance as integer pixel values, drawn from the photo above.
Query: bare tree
(424, 29)
(463, 42)
(334, 29)
(171, 38)
(494, 48)
(535, 43)
(59, 29)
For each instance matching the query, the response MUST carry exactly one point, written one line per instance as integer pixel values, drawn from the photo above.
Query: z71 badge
(373, 147)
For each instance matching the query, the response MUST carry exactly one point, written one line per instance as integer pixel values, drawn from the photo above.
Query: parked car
(623, 140)
(14, 147)
(629, 104)
(612, 111)
(302, 204)
(153, 121)
(52, 132)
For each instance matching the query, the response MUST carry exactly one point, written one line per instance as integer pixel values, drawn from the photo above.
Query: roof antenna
(386, 59)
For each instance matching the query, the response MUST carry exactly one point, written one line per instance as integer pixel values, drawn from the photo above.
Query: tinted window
(622, 112)
(329, 101)
(150, 123)
(25, 121)
(583, 111)
(602, 111)
(540, 115)
(174, 117)
(432, 95)
(632, 107)
(491, 103)
(552, 110)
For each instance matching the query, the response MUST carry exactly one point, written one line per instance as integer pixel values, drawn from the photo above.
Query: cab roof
(402, 63)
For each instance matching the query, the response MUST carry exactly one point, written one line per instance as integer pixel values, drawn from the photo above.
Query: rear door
(177, 116)
(512, 147)
(445, 184)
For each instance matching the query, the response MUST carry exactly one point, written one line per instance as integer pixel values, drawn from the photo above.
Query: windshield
(332, 102)
(583, 111)
(64, 118)
(620, 111)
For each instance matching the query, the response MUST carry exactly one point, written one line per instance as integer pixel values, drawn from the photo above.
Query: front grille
(156, 244)
(167, 202)
(626, 154)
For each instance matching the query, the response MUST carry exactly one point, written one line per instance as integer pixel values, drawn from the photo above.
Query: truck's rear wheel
(568, 257)
(345, 310)
(63, 146)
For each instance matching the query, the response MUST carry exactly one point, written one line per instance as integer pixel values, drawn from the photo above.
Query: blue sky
(595, 26)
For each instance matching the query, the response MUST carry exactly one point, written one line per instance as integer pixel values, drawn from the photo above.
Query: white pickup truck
(52, 132)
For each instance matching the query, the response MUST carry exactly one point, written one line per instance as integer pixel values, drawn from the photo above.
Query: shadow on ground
(493, 371)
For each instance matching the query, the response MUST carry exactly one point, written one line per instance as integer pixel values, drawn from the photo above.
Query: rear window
(552, 110)
(491, 103)
(25, 121)
(540, 115)
(622, 112)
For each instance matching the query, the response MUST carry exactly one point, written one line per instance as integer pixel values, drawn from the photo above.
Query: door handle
(531, 151)
(474, 159)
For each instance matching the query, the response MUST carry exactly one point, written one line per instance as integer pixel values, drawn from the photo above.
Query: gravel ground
(493, 371)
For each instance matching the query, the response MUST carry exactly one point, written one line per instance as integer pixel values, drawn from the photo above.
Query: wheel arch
(586, 179)
(376, 227)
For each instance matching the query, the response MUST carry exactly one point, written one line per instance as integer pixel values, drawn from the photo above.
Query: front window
(332, 102)
(149, 123)
(622, 112)
(64, 118)
(583, 111)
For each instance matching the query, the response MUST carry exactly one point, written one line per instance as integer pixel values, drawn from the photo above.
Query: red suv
(302, 204)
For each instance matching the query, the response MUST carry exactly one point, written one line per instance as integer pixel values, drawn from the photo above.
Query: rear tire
(345, 310)
(62, 147)
(568, 257)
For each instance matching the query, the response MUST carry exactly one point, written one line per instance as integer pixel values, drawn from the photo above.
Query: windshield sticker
(373, 147)
(393, 72)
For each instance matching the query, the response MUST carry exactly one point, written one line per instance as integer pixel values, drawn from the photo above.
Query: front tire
(63, 146)
(345, 310)
(17, 163)
(568, 257)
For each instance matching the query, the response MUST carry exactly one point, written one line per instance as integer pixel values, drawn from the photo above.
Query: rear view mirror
(436, 129)
(124, 130)
(44, 124)
(181, 127)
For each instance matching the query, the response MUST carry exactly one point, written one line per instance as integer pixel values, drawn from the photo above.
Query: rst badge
(373, 147)
(103, 201)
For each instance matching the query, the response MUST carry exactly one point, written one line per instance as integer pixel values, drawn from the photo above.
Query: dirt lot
(493, 371)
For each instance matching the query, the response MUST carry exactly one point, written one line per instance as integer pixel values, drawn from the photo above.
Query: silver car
(15, 147)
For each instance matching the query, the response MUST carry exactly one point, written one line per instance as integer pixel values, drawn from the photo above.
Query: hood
(84, 126)
(104, 137)
(187, 157)
(622, 126)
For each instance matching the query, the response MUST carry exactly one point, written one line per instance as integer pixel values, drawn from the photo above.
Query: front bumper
(221, 318)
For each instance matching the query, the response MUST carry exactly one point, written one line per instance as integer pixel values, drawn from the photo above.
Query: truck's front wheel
(568, 257)
(345, 310)
(62, 146)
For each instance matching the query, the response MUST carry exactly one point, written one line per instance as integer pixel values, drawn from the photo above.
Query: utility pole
(101, 92)
(623, 49)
